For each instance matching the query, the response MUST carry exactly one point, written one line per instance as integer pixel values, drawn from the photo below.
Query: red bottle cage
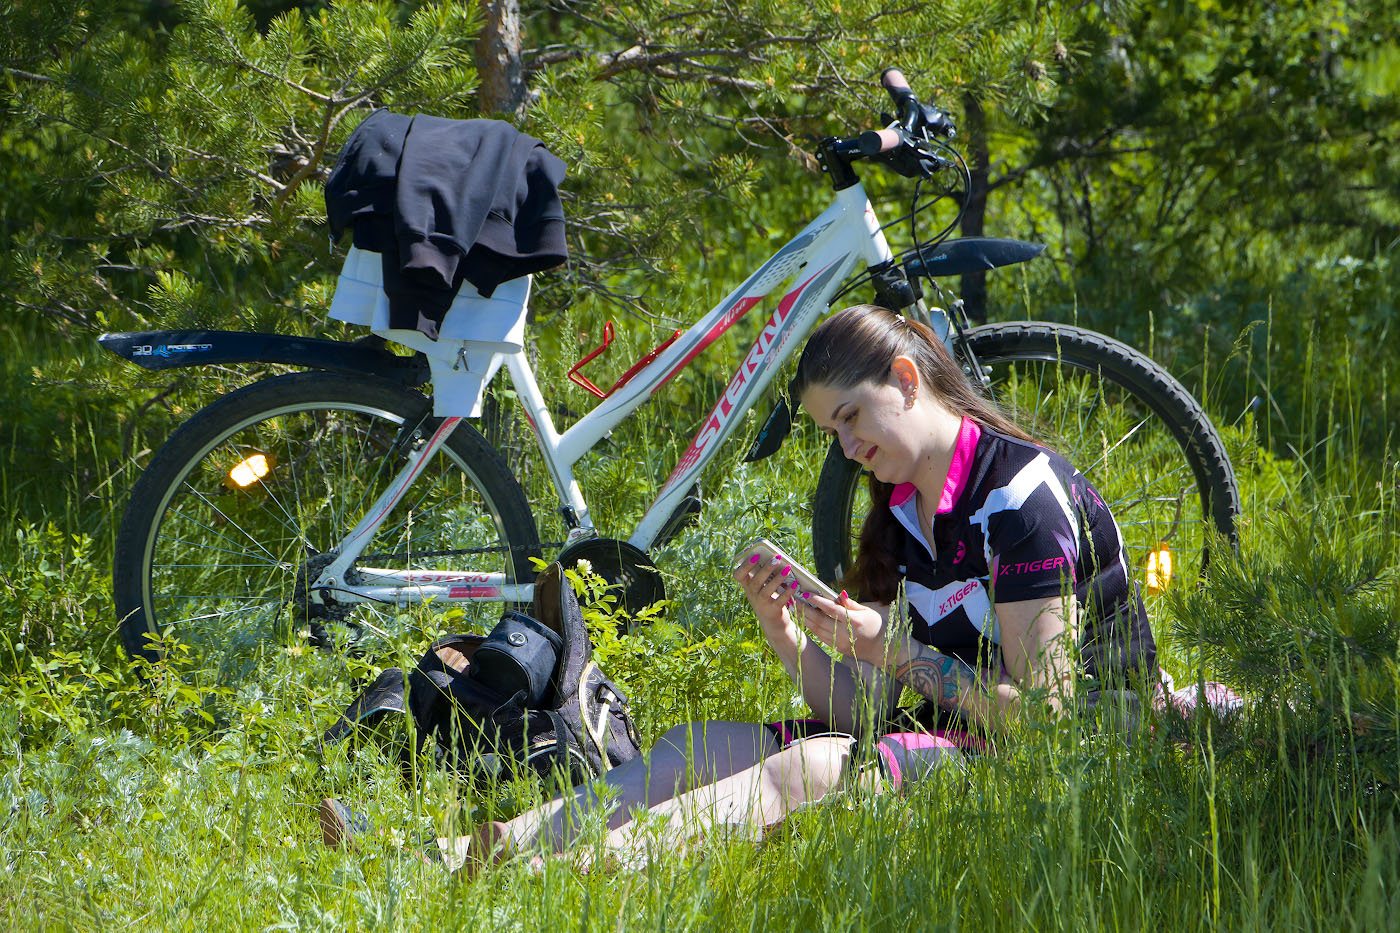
(579, 379)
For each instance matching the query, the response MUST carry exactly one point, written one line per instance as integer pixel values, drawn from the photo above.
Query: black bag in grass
(528, 696)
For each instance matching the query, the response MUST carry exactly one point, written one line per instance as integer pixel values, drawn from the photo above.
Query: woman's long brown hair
(856, 346)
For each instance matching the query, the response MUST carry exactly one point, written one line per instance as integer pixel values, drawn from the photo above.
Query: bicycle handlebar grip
(874, 142)
(894, 81)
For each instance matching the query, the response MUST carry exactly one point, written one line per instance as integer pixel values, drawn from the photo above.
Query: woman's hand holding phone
(783, 592)
(768, 593)
(855, 630)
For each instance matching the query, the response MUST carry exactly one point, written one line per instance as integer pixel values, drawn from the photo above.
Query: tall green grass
(130, 803)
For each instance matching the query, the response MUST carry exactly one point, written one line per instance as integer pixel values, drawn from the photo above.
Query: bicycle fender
(176, 349)
(970, 254)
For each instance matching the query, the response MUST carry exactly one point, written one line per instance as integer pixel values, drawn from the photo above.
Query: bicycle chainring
(622, 565)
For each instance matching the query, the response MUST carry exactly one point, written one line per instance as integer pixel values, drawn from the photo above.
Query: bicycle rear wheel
(221, 569)
(1117, 416)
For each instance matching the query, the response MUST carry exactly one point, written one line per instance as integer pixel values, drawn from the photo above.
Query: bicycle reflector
(248, 471)
(1159, 568)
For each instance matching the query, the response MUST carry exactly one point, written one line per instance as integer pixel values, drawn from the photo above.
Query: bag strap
(600, 698)
(562, 750)
(385, 695)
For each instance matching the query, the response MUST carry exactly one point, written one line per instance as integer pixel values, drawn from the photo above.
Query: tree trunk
(974, 284)
(502, 90)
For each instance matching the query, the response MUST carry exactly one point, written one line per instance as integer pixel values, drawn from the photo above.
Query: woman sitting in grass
(1015, 585)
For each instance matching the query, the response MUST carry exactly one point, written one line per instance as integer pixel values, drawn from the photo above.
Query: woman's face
(875, 423)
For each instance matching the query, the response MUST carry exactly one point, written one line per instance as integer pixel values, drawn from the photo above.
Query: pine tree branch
(28, 75)
(650, 63)
(311, 163)
(239, 59)
(61, 310)
(152, 166)
(238, 167)
(129, 432)
(181, 221)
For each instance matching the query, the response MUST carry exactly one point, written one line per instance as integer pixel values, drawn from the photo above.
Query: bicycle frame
(817, 260)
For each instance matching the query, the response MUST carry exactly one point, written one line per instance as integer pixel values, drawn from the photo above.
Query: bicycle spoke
(225, 566)
(207, 616)
(201, 546)
(219, 512)
(267, 489)
(392, 532)
(1117, 444)
(1041, 396)
(190, 597)
(225, 563)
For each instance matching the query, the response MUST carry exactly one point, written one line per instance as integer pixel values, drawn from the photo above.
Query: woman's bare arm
(849, 695)
(1036, 649)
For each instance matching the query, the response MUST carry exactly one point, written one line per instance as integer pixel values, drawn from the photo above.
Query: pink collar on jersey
(958, 470)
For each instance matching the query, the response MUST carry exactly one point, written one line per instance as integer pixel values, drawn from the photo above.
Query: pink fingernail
(785, 570)
(806, 595)
(843, 595)
(754, 559)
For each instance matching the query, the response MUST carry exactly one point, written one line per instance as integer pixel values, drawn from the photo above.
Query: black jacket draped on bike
(445, 200)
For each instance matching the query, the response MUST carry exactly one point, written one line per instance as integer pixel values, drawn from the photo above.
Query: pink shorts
(902, 757)
(907, 757)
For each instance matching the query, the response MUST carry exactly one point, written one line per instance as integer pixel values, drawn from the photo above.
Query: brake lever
(930, 157)
(911, 162)
(904, 153)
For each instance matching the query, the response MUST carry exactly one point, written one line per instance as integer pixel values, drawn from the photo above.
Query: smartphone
(766, 550)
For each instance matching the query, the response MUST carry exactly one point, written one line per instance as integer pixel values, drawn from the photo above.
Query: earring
(909, 399)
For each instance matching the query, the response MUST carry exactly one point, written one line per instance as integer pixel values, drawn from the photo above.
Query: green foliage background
(1217, 182)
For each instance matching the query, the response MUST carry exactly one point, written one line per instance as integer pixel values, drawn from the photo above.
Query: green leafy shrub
(52, 592)
(673, 674)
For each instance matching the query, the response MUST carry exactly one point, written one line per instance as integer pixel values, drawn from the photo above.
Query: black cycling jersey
(1017, 522)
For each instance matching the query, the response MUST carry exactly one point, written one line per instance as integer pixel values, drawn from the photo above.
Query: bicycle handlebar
(874, 142)
(903, 145)
(894, 82)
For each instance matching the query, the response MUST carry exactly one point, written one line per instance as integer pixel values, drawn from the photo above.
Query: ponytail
(875, 576)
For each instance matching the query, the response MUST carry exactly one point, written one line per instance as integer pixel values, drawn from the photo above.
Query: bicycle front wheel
(247, 502)
(1118, 417)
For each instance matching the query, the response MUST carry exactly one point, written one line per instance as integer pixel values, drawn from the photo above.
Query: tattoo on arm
(939, 678)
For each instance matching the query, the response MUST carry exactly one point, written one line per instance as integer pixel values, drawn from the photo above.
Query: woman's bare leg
(685, 757)
(751, 799)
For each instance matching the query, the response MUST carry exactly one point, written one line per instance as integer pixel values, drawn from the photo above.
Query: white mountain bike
(336, 501)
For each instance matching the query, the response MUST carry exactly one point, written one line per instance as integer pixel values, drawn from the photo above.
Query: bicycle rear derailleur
(317, 609)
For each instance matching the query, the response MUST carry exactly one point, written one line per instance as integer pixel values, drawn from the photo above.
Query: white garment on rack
(472, 343)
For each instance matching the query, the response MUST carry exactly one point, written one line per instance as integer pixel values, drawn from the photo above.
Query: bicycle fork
(949, 326)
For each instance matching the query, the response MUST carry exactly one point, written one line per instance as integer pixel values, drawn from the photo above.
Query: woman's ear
(905, 375)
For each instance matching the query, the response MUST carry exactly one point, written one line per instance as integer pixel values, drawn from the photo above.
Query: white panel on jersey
(933, 605)
(1014, 494)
